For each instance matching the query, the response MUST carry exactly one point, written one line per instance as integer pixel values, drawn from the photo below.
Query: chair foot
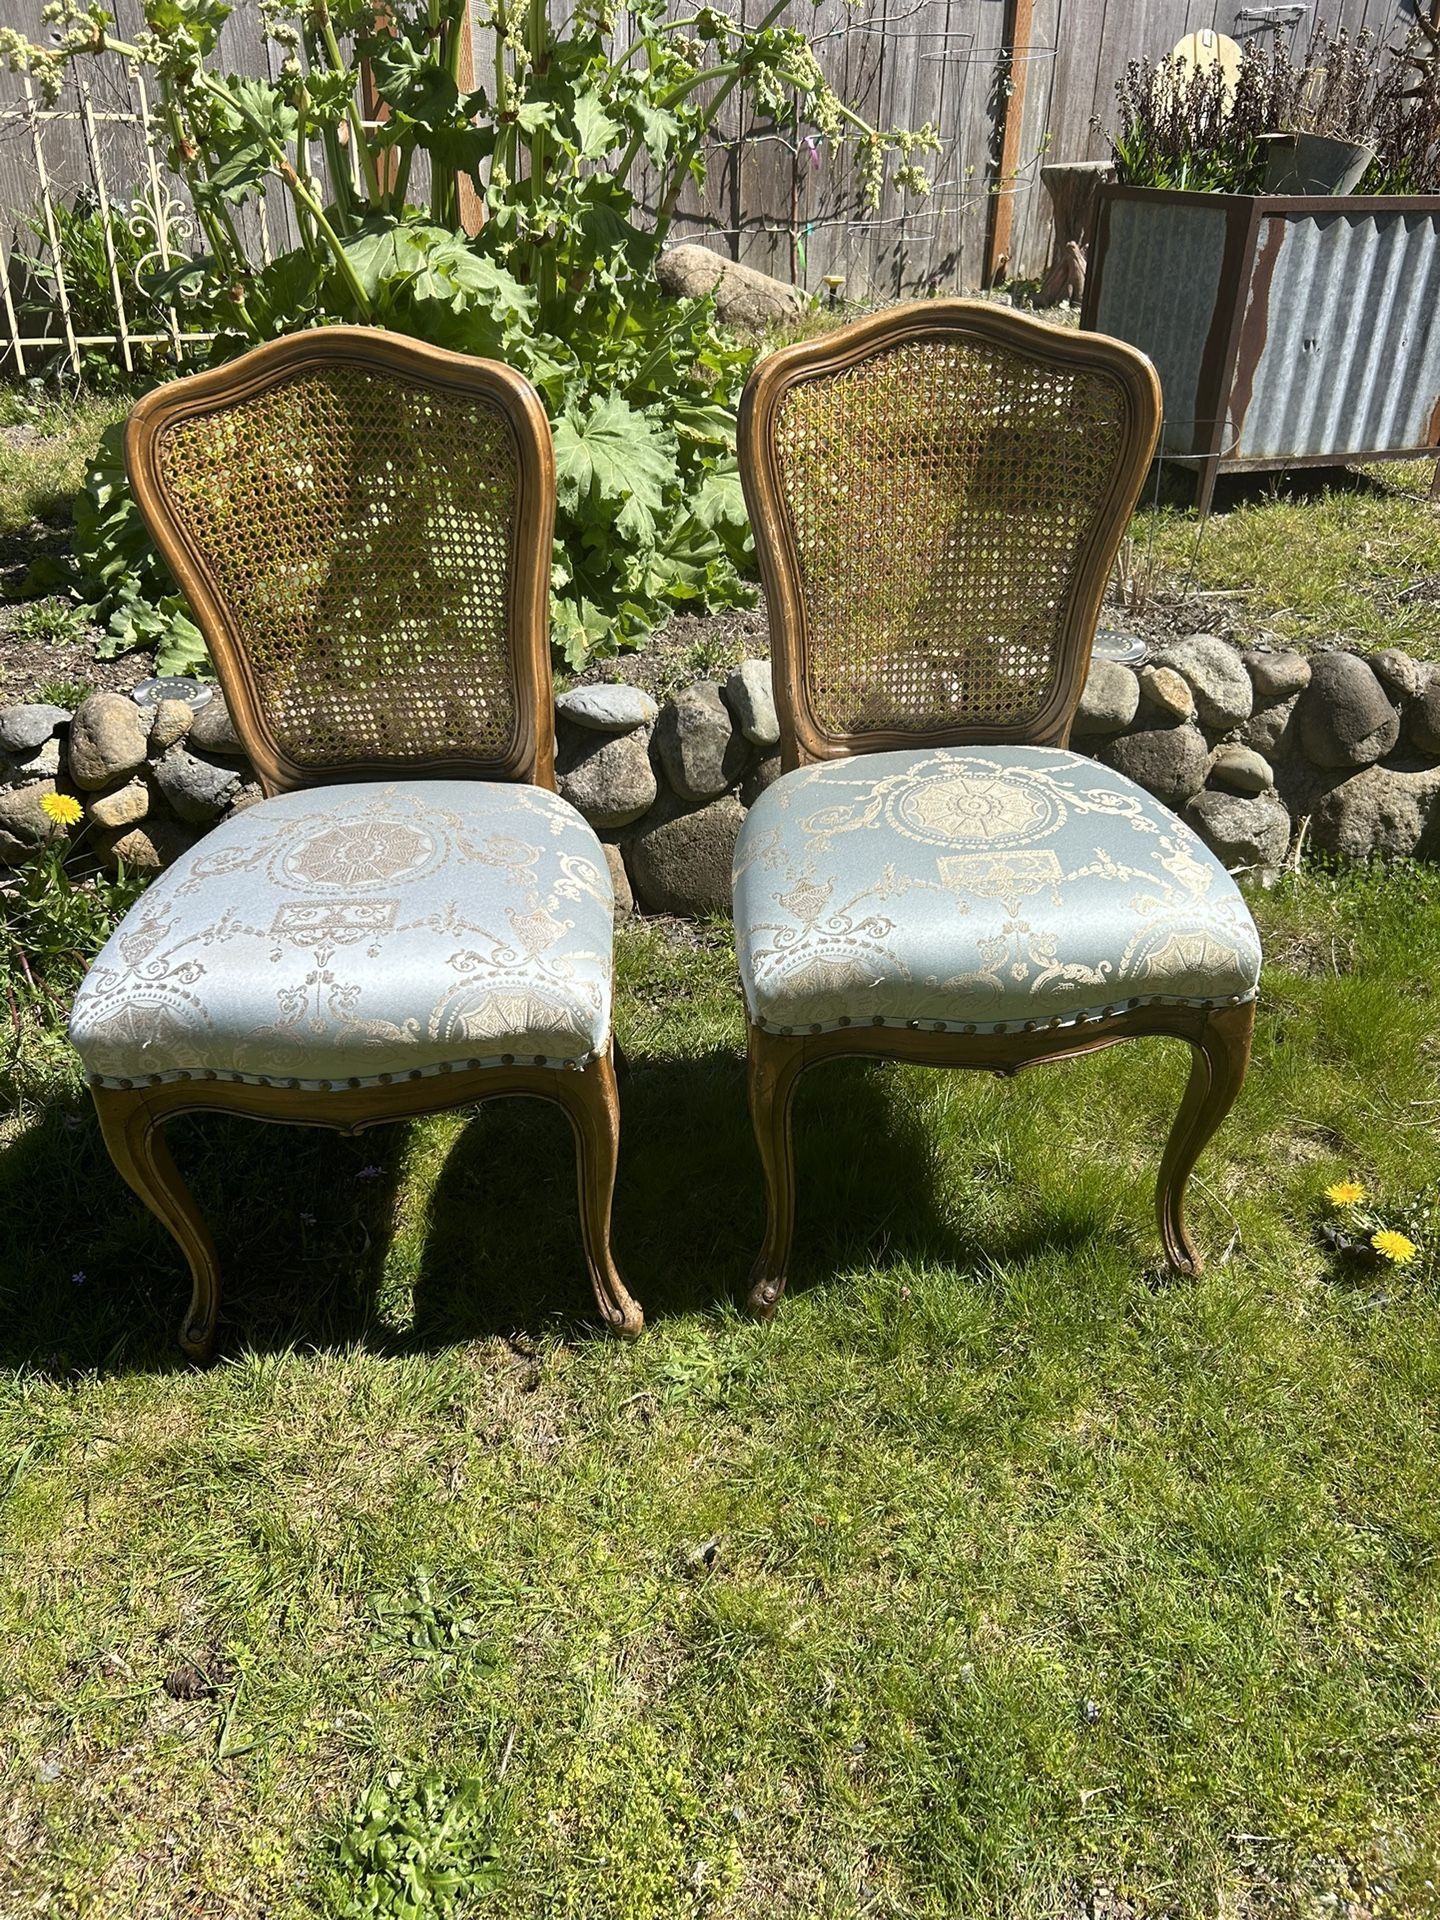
(774, 1064)
(134, 1135)
(591, 1101)
(1221, 1055)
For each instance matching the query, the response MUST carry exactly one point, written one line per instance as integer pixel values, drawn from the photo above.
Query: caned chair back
(362, 526)
(938, 495)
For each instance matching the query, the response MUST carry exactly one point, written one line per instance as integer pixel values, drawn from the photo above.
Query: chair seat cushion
(978, 889)
(348, 935)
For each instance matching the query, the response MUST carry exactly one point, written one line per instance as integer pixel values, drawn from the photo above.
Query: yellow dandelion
(1345, 1193)
(1394, 1246)
(63, 807)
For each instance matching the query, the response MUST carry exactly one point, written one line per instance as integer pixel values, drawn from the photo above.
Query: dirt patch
(34, 664)
(694, 646)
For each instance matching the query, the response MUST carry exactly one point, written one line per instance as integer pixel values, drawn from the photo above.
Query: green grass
(45, 447)
(1356, 565)
(998, 1571)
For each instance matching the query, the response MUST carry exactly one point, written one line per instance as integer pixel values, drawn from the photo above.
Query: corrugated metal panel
(1340, 347)
(1158, 291)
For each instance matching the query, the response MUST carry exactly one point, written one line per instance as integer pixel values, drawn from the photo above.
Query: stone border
(1257, 750)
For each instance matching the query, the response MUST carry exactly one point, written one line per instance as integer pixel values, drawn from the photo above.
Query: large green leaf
(617, 463)
(266, 123)
(595, 131)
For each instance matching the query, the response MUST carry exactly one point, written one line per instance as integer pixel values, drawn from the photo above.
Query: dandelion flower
(1345, 1193)
(1394, 1246)
(63, 807)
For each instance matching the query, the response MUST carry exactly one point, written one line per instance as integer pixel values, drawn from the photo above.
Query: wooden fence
(1008, 83)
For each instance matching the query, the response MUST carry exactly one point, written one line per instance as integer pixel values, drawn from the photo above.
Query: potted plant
(1331, 144)
(1289, 327)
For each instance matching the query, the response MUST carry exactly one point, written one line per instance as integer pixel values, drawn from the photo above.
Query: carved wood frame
(132, 1119)
(531, 752)
(802, 739)
(1219, 1037)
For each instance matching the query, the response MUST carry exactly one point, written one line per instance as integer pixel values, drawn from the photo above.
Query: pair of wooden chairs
(412, 919)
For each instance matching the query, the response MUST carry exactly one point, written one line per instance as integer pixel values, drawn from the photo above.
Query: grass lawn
(999, 1576)
(44, 451)
(1307, 562)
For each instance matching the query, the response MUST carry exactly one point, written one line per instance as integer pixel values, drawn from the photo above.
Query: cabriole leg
(1221, 1055)
(593, 1105)
(135, 1138)
(774, 1065)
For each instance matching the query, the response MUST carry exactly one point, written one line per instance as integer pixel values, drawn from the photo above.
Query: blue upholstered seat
(355, 934)
(978, 889)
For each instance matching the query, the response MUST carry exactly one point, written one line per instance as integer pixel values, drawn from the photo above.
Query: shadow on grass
(1176, 485)
(416, 1236)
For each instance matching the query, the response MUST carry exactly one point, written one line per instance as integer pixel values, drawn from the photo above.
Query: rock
(1302, 787)
(246, 796)
(197, 789)
(1404, 677)
(1242, 830)
(148, 849)
(1109, 699)
(107, 740)
(22, 729)
(1170, 762)
(121, 807)
(620, 880)
(41, 763)
(1270, 730)
(1242, 770)
(1422, 718)
(1276, 676)
(763, 774)
(743, 297)
(750, 695)
(24, 824)
(608, 709)
(680, 862)
(169, 722)
(1167, 693)
(699, 750)
(1223, 693)
(1345, 717)
(608, 776)
(1384, 810)
(213, 731)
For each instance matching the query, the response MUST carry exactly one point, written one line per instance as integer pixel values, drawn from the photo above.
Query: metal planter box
(1286, 332)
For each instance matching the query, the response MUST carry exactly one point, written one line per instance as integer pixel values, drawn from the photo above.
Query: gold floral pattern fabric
(978, 889)
(351, 935)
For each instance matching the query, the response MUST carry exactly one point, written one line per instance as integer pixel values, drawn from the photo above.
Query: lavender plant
(1190, 128)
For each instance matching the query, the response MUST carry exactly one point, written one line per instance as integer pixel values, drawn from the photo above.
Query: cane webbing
(941, 495)
(357, 529)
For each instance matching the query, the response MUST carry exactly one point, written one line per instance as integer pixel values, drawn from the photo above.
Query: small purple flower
(78, 1279)
(369, 1173)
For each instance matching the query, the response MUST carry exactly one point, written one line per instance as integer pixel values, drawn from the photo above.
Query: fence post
(1016, 54)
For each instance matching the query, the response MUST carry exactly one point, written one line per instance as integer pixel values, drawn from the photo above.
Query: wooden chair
(938, 494)
(413, 919)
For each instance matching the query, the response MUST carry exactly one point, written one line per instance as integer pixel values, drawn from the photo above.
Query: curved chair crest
(362, 526)
(938, 494)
